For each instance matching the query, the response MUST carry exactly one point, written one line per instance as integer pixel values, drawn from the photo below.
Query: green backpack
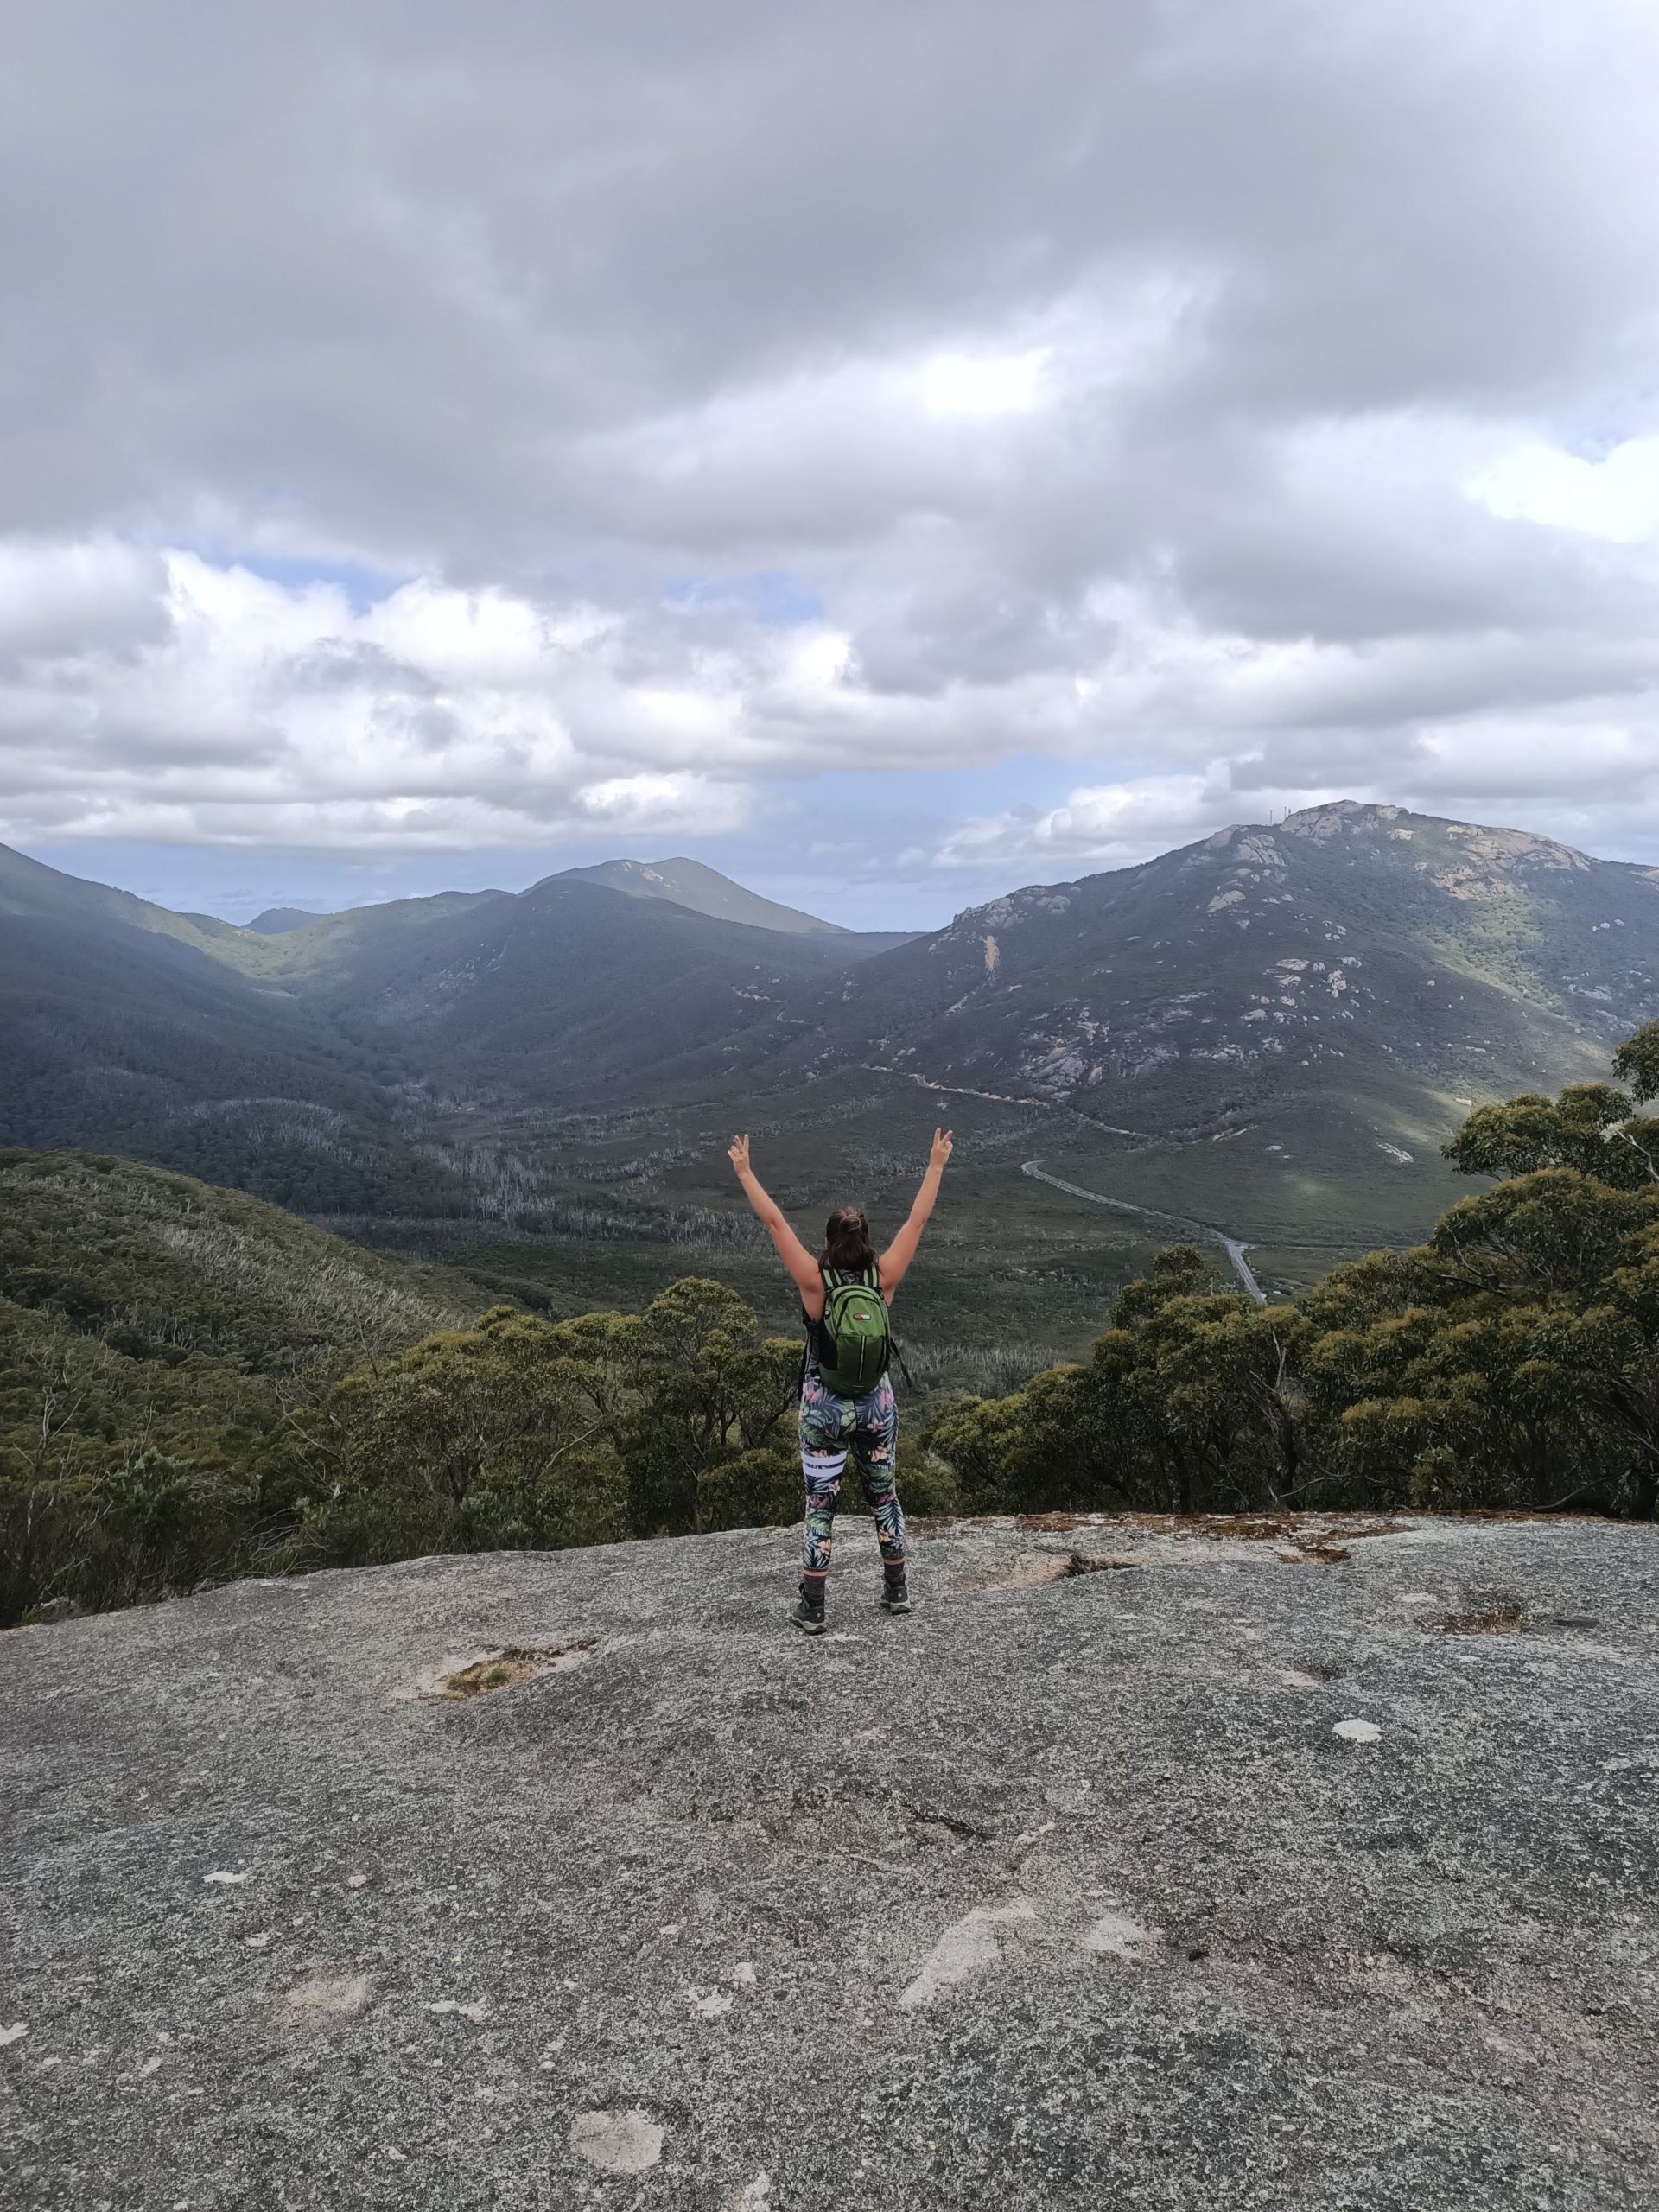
(854, 1342)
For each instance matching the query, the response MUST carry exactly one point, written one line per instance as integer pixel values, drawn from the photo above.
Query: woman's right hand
(738, 1154)
(941, 1149)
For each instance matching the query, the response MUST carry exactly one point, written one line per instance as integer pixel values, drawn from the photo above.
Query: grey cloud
(58, 601)
(577, 303)
(350, 663)
(397, 260)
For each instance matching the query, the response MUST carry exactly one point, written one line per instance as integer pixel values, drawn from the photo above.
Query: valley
(1260, 1041)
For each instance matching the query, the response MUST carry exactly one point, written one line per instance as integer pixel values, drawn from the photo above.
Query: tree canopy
(1511, 1360)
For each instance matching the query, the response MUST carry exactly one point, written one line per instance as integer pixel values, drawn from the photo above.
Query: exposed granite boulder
(1076, 1888)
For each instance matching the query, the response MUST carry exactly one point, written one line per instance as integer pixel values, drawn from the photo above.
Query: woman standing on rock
(846, 1398)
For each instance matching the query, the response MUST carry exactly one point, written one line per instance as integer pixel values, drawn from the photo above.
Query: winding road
(1230, 1245)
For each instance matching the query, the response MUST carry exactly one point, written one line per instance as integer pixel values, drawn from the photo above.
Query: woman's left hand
(738, 1154)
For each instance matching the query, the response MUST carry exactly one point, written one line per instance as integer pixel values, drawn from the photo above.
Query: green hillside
(162, 1265)
(276, 921)
(562, 989)
(317, 1065)
(123, 1037)
(193, 1386)
(303, 1065)
(156, 1335)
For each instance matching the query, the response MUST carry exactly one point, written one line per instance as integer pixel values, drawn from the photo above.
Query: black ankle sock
(895, 1575)
(812, 1588)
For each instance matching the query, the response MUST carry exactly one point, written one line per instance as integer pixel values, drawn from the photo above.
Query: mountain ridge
(1344, 983)
(1505, 917)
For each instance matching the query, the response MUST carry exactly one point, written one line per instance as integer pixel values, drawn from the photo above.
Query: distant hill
(29, 888)
(284, 1062)
(704, 890)
(276, 921)
(567, 987)
(570, 983)
(130, 1028)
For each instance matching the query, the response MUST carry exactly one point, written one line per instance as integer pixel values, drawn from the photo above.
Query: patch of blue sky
(1028, 780)
(1592, 436)
(363, 587)
(770, 596)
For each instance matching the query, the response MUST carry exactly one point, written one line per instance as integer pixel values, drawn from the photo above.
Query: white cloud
(960, 384)
(1101, 825)
(648, 804)
(164, 696)
(1615, 498)
(243, 711)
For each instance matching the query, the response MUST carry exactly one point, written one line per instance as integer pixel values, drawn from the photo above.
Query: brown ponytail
(846, 1246)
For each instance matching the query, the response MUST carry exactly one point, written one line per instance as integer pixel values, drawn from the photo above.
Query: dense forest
(194, 1386)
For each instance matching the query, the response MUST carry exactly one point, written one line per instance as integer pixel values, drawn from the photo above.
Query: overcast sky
(922, 447)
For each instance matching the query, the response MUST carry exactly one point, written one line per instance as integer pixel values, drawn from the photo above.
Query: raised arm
(899, 1254)
(803, 1267)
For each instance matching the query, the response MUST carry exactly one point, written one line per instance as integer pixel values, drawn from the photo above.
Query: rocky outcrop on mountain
(1348, 950)
(1300, 1864)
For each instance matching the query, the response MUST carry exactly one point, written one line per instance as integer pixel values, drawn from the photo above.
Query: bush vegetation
(1511, 1360)
(194, 1385)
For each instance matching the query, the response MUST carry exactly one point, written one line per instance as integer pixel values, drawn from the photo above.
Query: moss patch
(516, 1663)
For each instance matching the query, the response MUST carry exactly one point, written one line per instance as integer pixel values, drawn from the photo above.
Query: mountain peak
(276, 921)
(1497, 848)
(1338, 815)
(689, 883)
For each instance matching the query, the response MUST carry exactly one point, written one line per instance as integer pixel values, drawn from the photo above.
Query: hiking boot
(895, 1598)
(807, 1616)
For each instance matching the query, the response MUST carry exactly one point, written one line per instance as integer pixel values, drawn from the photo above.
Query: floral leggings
(828, 1425)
